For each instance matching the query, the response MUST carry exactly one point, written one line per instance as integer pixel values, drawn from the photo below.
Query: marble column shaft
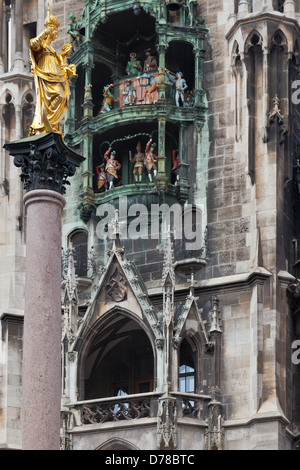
(42, 321)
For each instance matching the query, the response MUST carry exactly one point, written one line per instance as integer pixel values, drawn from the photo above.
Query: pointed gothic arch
(117, 356)
(117, 443)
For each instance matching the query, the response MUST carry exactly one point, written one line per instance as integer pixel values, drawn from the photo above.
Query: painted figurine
(190, 98)
(133, 66)
(109, 99)
(112, 167)
(73, 31)
(129, 94)
(152, 86)
(138, 161)
(181, 87)
(150, 63)
(150, 159)
(175, 171)
(101, 178)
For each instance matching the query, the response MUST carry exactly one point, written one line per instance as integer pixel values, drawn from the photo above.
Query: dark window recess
(186, 370)
(80, 244)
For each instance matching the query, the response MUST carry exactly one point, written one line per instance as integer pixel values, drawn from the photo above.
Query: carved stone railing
(122, 408)
(192, 405)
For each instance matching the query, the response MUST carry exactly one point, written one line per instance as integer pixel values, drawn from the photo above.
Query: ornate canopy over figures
(52, 76)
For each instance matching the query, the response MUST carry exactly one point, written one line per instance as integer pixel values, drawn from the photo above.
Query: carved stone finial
(167, 424)
(276, 115)
(215, 317)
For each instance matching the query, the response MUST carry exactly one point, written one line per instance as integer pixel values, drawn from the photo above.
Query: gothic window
(187, 372)
(79, 240)
(120, 360)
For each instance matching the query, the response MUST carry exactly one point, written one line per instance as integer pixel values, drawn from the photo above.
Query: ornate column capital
(45, 162)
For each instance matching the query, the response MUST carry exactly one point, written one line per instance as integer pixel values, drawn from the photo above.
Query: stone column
(243, 9)
(42, 326)
(44, 201)
(289, 8)
(19, 61)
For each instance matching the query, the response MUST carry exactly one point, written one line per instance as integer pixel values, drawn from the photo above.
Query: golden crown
(51, 22)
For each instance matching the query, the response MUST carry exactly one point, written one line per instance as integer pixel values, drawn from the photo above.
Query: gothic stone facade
(163, 348)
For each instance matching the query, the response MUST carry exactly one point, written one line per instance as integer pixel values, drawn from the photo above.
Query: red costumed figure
(150, 159)
(112, 167)
(101, 178)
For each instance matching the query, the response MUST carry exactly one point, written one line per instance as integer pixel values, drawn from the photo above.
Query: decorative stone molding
(276, 115)
(116, 288)
(214, 434)
(167, 423)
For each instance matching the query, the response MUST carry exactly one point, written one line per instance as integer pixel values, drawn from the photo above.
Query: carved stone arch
(279, 39)
(235, 53)
(7, 97)
(117, 443)
(105, 14)
(253, 39)
(112, 321)
(193, 341)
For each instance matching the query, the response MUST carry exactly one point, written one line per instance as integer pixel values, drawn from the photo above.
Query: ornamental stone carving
(116, 288)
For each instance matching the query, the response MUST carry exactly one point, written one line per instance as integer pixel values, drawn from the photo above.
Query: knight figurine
(150, 159)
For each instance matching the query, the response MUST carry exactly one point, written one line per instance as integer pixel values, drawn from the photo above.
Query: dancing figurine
(152, 86)
(109, 99)
(101, 178)
(138, 161)
(129, 94)
(133, 65)
(150, 63)
(150, 159)
(181, 87)
(112, 167)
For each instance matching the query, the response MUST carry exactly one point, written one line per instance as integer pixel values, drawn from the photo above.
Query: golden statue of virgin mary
(52, 76)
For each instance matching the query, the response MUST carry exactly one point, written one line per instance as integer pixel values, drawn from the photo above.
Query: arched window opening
(120, 360)
(187, 372)
(186, 67)
(278, 5)
(79, 241)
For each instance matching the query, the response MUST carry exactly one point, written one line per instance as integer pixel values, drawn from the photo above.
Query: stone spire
(70, 298)
(168, 279)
